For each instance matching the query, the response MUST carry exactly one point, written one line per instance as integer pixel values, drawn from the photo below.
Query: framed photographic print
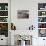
(22, 14)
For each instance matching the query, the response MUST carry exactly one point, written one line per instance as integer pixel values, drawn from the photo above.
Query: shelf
(41, 10)
(42, 16)
(3, 22)
(41, 22)
(4, 19)
(3, 16)
(41, 28)
(3, 10)
(42, 19)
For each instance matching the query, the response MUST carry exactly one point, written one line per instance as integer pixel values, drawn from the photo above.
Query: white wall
(32, 6)
(23, 24)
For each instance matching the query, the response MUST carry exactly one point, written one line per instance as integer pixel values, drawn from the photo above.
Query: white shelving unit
(4, 23)
(42, 18)
(4, 16)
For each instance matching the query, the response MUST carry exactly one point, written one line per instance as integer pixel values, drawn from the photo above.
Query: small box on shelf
(41, 25)
(42, 32)
(41, 13)
(41, 19)
(41, 6)
(6, 7)
(3, 19)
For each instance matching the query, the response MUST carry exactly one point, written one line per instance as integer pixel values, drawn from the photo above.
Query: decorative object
(4, 29)
(43, 13)
(3, 13)
(22, 43)
(42, 32)
(42, 25)
(3, 19)
(23, 14)
(27, 38)
(3, 6)
(41, 6)
(31, 27)
(13, 27)
(6, 7)
(0, 7)
(23, 40)
(41, 19)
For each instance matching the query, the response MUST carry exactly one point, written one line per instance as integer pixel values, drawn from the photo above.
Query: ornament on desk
(13, 27)
(31, 27)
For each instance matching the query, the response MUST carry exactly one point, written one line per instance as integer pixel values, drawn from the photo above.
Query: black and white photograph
(22, 14)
